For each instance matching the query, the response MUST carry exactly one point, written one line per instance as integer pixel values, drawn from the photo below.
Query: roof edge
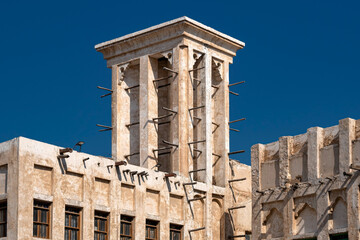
(103, 45)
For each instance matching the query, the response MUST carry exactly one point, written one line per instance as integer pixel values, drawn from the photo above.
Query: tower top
(172, 31)
(170, 99)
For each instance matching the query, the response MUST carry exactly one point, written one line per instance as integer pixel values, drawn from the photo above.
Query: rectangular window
(175, 232)
(72, 223)
(41, 219)
(151, 230)
(101, 226)
(126, 228)
(3, 219)
(343, 236)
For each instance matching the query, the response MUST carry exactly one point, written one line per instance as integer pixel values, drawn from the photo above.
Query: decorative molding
(218, 68)
(122, 69)
(301, 207)
(269, 213)
(333, 204)
(168, 55)
(197, 55)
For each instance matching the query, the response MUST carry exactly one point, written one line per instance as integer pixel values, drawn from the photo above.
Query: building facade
(307, 186)
(170, 175)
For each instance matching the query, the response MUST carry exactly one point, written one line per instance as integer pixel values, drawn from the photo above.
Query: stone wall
(304, 186)
(31, 170)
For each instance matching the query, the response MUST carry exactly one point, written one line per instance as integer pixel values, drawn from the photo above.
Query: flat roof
(166, 24)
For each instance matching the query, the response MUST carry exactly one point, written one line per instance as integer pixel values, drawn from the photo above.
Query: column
(346, 136)
(257, 157)
(207, 129)
(147, 111)
(285, 147)
(179, 102)
(315, 141)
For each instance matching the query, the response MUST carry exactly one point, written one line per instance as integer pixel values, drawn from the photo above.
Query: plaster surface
(170, 126)
(309, 182)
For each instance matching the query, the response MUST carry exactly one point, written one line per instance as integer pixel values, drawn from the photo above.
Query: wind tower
(170, 100)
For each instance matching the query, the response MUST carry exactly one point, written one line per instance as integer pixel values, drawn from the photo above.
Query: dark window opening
(72, 223)
(101, 226)
(126, 228)
(342, 236)
(3, 219)
(175, 232)
(41, 219)
(152, 231)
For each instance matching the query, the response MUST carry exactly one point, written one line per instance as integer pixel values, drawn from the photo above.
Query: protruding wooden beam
(237, 207)
(236, 152)
(237, 180)
(233, 84)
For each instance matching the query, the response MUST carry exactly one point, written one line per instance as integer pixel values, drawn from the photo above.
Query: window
(343, 236)
(3, 219)
(151, 230)
(41, 219)
(72, 223)
(101, 226)
(126, 229)
(175, 232)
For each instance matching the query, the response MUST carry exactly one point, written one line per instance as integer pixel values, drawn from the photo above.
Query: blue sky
(301, 65)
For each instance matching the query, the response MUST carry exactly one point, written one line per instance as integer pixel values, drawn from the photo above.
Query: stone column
(207, 129)
(285, 147)
(58, 205)
(119, 143)
(147, 111)
(225, 123)
(115, 108)
(257, 157)
(164, 209)
(140, 213)
(25, 194)
(115, 203)
(346, 136)
(180, 104)
(225, 138)
(315, 142)
(88, 210)
(353, 210)
(12, 191)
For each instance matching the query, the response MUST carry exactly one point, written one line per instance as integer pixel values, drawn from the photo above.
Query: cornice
(180, 27)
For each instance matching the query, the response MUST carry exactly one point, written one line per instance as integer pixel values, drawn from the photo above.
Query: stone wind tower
(170, 176)
(170, 98)
(170, 101)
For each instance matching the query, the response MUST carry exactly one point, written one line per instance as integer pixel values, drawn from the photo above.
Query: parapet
(319, 153)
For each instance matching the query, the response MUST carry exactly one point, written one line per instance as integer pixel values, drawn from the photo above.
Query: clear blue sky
(301, 65)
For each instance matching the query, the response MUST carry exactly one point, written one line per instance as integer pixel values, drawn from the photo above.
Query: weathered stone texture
(318, 190)
(170, 115)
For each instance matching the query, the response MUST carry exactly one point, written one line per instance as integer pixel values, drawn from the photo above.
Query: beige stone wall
(303, 186)
(96, 184)
(9, 183)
